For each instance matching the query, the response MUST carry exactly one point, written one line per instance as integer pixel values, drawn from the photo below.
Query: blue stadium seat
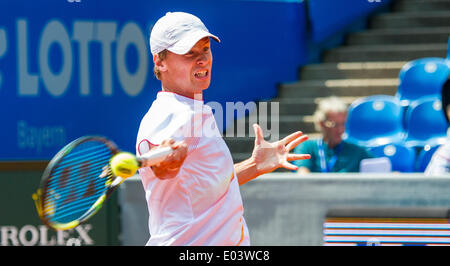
(374, 121)
(422, 77)
(424, 157)
(425, 123)
(402, 158)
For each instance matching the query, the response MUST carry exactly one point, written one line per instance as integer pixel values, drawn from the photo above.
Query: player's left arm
(268, 156)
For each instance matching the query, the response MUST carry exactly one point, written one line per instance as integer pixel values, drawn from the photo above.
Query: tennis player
(440, 162)
(193, 196)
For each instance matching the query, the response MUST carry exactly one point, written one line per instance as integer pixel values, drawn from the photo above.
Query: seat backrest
(373, 119)
(422, 77)
(425, 122)
(402, 158)
(424, 157)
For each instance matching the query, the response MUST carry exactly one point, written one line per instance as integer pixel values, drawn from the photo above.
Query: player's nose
(203, 59)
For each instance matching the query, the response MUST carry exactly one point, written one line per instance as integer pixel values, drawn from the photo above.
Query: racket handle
(155, 156)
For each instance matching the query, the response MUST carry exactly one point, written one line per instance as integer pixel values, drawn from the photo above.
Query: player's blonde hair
(162, 55)
(327, 105)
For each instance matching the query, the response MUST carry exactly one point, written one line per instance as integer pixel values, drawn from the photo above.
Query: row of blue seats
(407, 135)
(382, 119)
(404, 158)
(408, 127)
(422, 78)
(414, 115)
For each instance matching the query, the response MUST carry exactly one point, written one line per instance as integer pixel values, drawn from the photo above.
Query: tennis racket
(78, 180)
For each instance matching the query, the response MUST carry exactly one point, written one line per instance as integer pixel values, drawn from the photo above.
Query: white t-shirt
(202, 205)
(440, 162)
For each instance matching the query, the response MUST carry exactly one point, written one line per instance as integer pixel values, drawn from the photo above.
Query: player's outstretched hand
(269, 156)
(170, 166)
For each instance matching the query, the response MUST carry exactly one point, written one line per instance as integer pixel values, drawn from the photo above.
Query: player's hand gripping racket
(82, 175)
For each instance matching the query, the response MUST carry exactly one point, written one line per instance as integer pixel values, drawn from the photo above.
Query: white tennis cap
(177, 32)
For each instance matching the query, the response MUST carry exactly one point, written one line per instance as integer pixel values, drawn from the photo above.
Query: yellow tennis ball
(124, 164)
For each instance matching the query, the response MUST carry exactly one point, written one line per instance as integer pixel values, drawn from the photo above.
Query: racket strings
(72, 211)
(85, 149)
(70, 162)
(80, 172)
(77, 182)
(79, 179)
(72, 203)
(71, 207)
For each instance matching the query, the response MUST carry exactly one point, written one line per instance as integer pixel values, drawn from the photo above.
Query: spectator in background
(330, 153)
(440, 162)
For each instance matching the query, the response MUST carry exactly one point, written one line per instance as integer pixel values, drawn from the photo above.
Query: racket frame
(42, 191)
(113, 182)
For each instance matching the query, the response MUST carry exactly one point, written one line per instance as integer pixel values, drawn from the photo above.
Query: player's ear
(159, 63)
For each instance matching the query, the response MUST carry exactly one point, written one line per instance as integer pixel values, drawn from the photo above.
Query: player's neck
(195, 96)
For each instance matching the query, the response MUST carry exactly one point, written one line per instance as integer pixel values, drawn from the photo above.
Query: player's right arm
(171, 165)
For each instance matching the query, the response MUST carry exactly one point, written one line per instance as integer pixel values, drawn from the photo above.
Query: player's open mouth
(201, 74)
